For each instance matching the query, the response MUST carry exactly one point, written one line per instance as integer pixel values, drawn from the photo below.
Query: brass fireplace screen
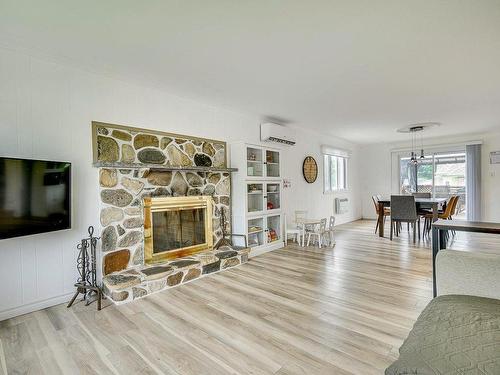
(176, 227)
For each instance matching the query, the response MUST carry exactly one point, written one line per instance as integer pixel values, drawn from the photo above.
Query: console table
(439, 229)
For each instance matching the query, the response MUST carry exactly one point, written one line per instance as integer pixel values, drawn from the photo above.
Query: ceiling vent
(270, 132)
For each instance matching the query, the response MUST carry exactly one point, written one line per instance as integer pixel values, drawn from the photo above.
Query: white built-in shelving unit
(257, 196)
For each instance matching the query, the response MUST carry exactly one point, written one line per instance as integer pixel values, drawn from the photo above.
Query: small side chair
(293, 231)
(319, 233)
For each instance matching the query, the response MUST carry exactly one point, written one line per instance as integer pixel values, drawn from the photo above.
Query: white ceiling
(354, 69)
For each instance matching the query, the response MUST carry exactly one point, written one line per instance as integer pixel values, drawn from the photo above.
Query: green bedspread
(453, 335)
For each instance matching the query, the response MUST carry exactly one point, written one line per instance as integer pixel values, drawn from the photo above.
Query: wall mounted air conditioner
(270, 132)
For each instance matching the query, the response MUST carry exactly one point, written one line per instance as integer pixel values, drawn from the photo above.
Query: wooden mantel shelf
(158, 167)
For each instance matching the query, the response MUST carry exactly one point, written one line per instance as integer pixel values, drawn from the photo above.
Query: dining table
(422, 203)
(303, 222)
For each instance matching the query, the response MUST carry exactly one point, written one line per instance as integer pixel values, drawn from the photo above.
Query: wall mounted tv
(35, 196)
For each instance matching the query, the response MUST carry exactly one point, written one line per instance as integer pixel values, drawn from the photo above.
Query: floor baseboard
(38, 305)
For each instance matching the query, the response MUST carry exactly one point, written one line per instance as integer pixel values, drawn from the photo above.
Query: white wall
(45, 112)
(378, 171)
(310, 197)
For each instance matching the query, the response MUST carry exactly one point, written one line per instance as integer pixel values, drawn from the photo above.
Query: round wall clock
(310, 169)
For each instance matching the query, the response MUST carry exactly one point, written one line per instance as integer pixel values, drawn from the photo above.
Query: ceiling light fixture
(415, 132)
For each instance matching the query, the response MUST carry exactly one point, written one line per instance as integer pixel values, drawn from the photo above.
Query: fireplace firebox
(176, 227)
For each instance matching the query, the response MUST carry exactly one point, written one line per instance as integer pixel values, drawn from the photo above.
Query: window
(335, 173)
(440, 173)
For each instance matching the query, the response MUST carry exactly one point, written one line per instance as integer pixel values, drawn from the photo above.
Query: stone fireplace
(175, 227)
(162, 198)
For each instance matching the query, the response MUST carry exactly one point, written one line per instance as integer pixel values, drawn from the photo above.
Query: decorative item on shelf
(253, 241)
(270, 206)
(272, 188)
(269, 158)
(252, 157)
(254, 188)
(272, 235)
(254, 229)
(310, 169)
(87, 268)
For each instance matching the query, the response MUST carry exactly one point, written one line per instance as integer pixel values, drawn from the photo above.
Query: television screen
(35, 196)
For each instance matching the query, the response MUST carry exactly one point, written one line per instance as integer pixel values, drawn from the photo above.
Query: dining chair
(404, 210)
(422, 211)
(387, 210)
(454, 210)
(318, 232)
(294, 231)
(447, 214)
(329, 231)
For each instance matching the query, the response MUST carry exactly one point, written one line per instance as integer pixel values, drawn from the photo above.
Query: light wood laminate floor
(296, 310)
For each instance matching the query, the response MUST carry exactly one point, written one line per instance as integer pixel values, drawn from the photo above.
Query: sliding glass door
(440, 173)
(416, 177)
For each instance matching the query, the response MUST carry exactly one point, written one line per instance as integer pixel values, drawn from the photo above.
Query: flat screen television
(35, 196)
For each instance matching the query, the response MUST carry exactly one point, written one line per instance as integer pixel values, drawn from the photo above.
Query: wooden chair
(404, 210)
(319, 233)
(454, 208)
(387, 210)
(446, 215)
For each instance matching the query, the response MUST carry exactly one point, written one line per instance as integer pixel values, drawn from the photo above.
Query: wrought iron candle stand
(87, 268)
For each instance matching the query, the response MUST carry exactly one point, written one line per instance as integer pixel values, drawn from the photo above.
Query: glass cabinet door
(272, 163)
(256, 232)
(273, 229)
(273, 197)
(255, 197)
(254, 162)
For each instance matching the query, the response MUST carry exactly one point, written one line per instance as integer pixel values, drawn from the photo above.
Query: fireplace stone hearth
(138, 282)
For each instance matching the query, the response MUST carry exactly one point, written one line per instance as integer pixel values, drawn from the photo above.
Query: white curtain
(473, 178)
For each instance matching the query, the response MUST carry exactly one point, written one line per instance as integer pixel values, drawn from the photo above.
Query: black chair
(422, 195)
(422, 211)
(404, 210)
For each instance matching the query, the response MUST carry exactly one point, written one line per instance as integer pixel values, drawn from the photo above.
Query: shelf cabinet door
(272, 163)
(256, 232)
(255, 162)
(272, 196)
(255, 197)
(273, 228)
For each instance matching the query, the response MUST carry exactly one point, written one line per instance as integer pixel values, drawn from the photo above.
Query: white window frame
(341, 173)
